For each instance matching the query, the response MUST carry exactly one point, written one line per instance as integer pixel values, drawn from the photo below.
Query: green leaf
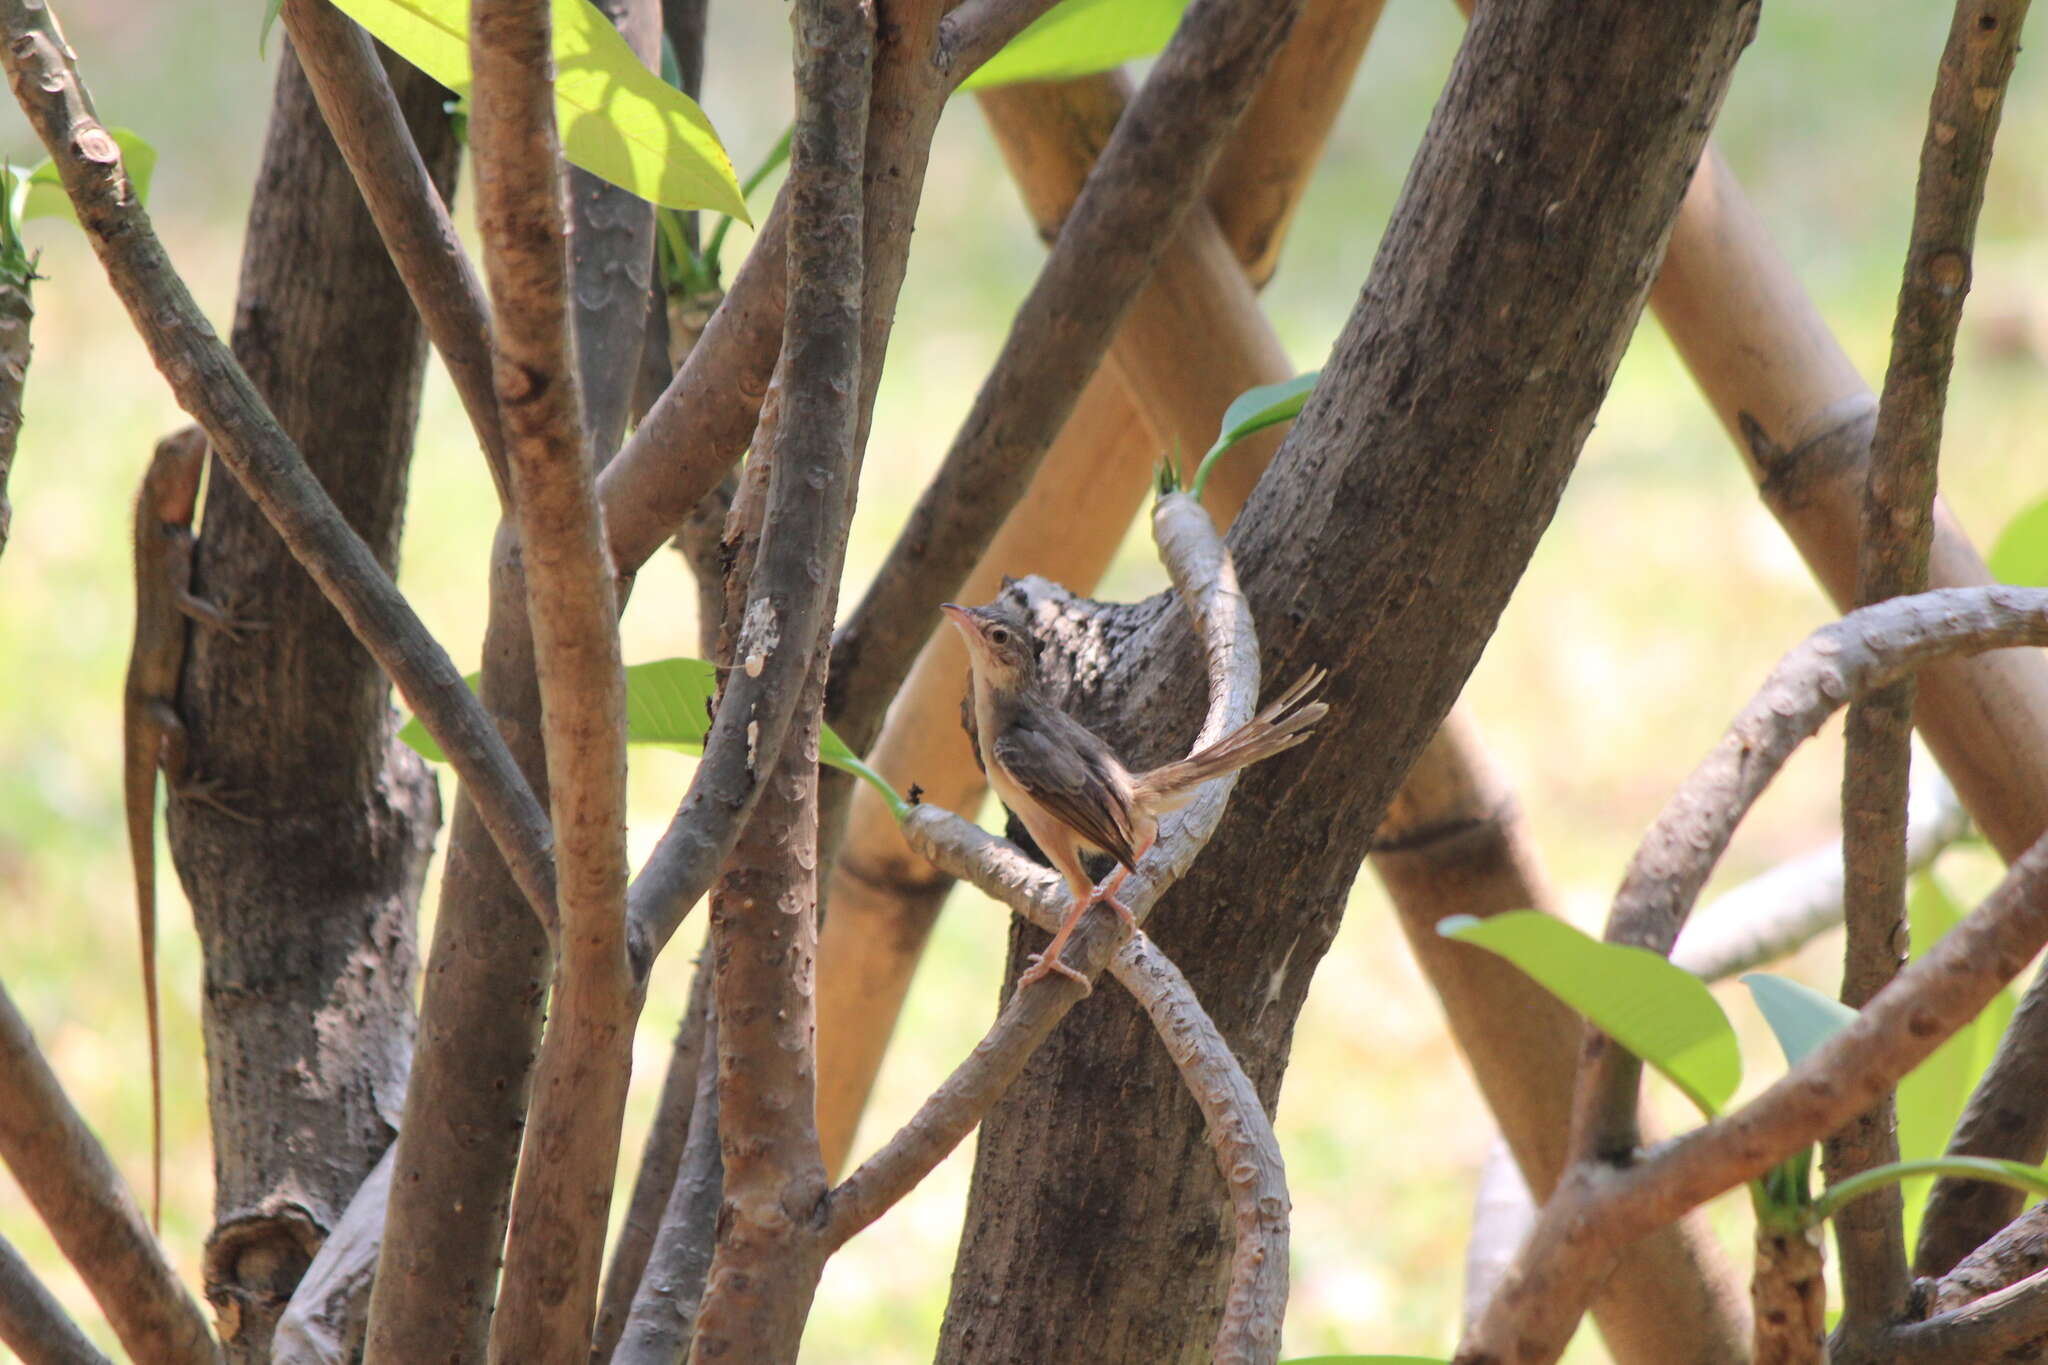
(2021, 555)
(1661, 1013)
(41, 193)
(1079, 37)
(271, 9)
(1254, 410)
(1932, 1096)
(1802, 1017)
(619, 120)
(668, 705)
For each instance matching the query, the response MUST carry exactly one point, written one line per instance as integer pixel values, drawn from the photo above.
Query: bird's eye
(999, 636)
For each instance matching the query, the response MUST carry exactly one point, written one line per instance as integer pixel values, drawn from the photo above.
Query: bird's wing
(1068, 770)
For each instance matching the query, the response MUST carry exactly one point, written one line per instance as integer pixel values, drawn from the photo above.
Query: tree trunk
(307, 911)
(1383, 544)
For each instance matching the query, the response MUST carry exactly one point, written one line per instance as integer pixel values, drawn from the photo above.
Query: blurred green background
(1656, 603)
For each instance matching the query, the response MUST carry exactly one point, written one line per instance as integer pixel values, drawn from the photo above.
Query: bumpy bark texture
(1383, 544)
(307, 914)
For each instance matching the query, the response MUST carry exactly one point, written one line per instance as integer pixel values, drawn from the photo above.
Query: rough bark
(1397, 518)
(307, 916)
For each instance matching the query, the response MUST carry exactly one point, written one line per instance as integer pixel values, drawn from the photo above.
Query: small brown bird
(1064, 783)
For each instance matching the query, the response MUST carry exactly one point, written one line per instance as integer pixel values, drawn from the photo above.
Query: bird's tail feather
(1284, 723)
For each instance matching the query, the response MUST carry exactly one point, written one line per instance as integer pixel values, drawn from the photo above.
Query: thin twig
(32, 1323)
(1892, 560)
(1774, 915)
(1147, 178)
(73, 1185)
(2018, 1251)
(1247, 1153)
(553, 1253)
(1208, 586)
(17, 312)
(1847, 659)
(362, 113)
(214, 390)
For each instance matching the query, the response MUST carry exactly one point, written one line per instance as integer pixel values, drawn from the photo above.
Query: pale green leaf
(1079, 37)
(271, 9)
(668, 705)
(619, 121)
(1802, 1017)
(42, 192)
(1254, 410)
(2021, 555)
(1659, 1012)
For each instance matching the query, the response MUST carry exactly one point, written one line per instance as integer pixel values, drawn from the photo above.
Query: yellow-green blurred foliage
(1658, 600)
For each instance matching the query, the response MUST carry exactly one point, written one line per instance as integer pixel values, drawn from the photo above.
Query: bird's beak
(966, 622)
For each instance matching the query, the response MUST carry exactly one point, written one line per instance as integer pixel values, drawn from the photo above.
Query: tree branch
(1600, 1208)
(362, 113)
(1861, 652)
(1247, 1153)
(2016, 1252)
(1898, 535)
(1774, 915)
(663, 1313)
(1141, 189)
(325, 1322)
(32, 1323)
(67, 1176)
(1207, 585)
(976, 30)
(213, 389)
(567, 1164)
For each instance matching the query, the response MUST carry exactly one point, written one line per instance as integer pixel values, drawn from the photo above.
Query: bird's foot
(1045, 964)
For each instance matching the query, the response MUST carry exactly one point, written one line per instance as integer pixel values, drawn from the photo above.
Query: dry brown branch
(977, 29)
(67, 1176)
(1247, 1153)
(1603, 1204)
(369, 128)
(1207, 585)
(1774, 915)
(554, 1250)
(1837, 664)
(1259, 179)
(32, 1323)
(1898, 535)
(213, 389)
(1148, 177)
(2007, 1325)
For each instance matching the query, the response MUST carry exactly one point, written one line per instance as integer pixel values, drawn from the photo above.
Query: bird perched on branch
(1067, 786)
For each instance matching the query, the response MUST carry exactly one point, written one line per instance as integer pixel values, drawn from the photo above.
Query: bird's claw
(1044, 965)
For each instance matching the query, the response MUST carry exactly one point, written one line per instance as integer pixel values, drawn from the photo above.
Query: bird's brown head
(998, 642)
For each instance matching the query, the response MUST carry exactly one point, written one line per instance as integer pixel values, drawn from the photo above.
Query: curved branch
(211, 387)
(1207, 584)
(1774, 915)
(1837, 664)
(1247, 1152)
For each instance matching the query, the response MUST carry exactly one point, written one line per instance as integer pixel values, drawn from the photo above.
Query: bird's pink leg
(1046, 963)
(1107, 893)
